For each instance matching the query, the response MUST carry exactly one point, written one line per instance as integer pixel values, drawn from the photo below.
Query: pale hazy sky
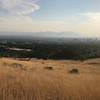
(76, 16)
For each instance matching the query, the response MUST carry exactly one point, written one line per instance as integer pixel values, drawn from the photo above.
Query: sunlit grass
(38, 83)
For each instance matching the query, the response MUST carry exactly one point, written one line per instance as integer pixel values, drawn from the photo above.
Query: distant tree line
(78, 51)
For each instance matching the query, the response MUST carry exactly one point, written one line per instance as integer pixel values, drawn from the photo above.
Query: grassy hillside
(49, 80)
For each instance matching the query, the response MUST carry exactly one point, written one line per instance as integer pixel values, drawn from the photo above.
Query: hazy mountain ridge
(43, 34)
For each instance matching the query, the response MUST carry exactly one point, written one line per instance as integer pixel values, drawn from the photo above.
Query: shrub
(49, 68)
(74, 71)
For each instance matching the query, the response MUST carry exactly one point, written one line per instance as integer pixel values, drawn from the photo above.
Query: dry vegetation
(49, 80)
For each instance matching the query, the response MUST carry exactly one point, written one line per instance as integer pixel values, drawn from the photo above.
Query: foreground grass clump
(36, 83)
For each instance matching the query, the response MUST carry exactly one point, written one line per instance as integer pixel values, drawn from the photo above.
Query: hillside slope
(49, 79)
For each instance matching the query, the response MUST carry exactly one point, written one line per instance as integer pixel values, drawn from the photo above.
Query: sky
(57, 16)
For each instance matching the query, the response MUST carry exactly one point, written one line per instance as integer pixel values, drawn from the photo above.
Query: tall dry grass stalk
(29, 80)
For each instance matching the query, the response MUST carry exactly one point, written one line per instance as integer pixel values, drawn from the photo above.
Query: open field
(49, 80)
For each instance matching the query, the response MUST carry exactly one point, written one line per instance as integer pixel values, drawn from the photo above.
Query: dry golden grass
(49, 80)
